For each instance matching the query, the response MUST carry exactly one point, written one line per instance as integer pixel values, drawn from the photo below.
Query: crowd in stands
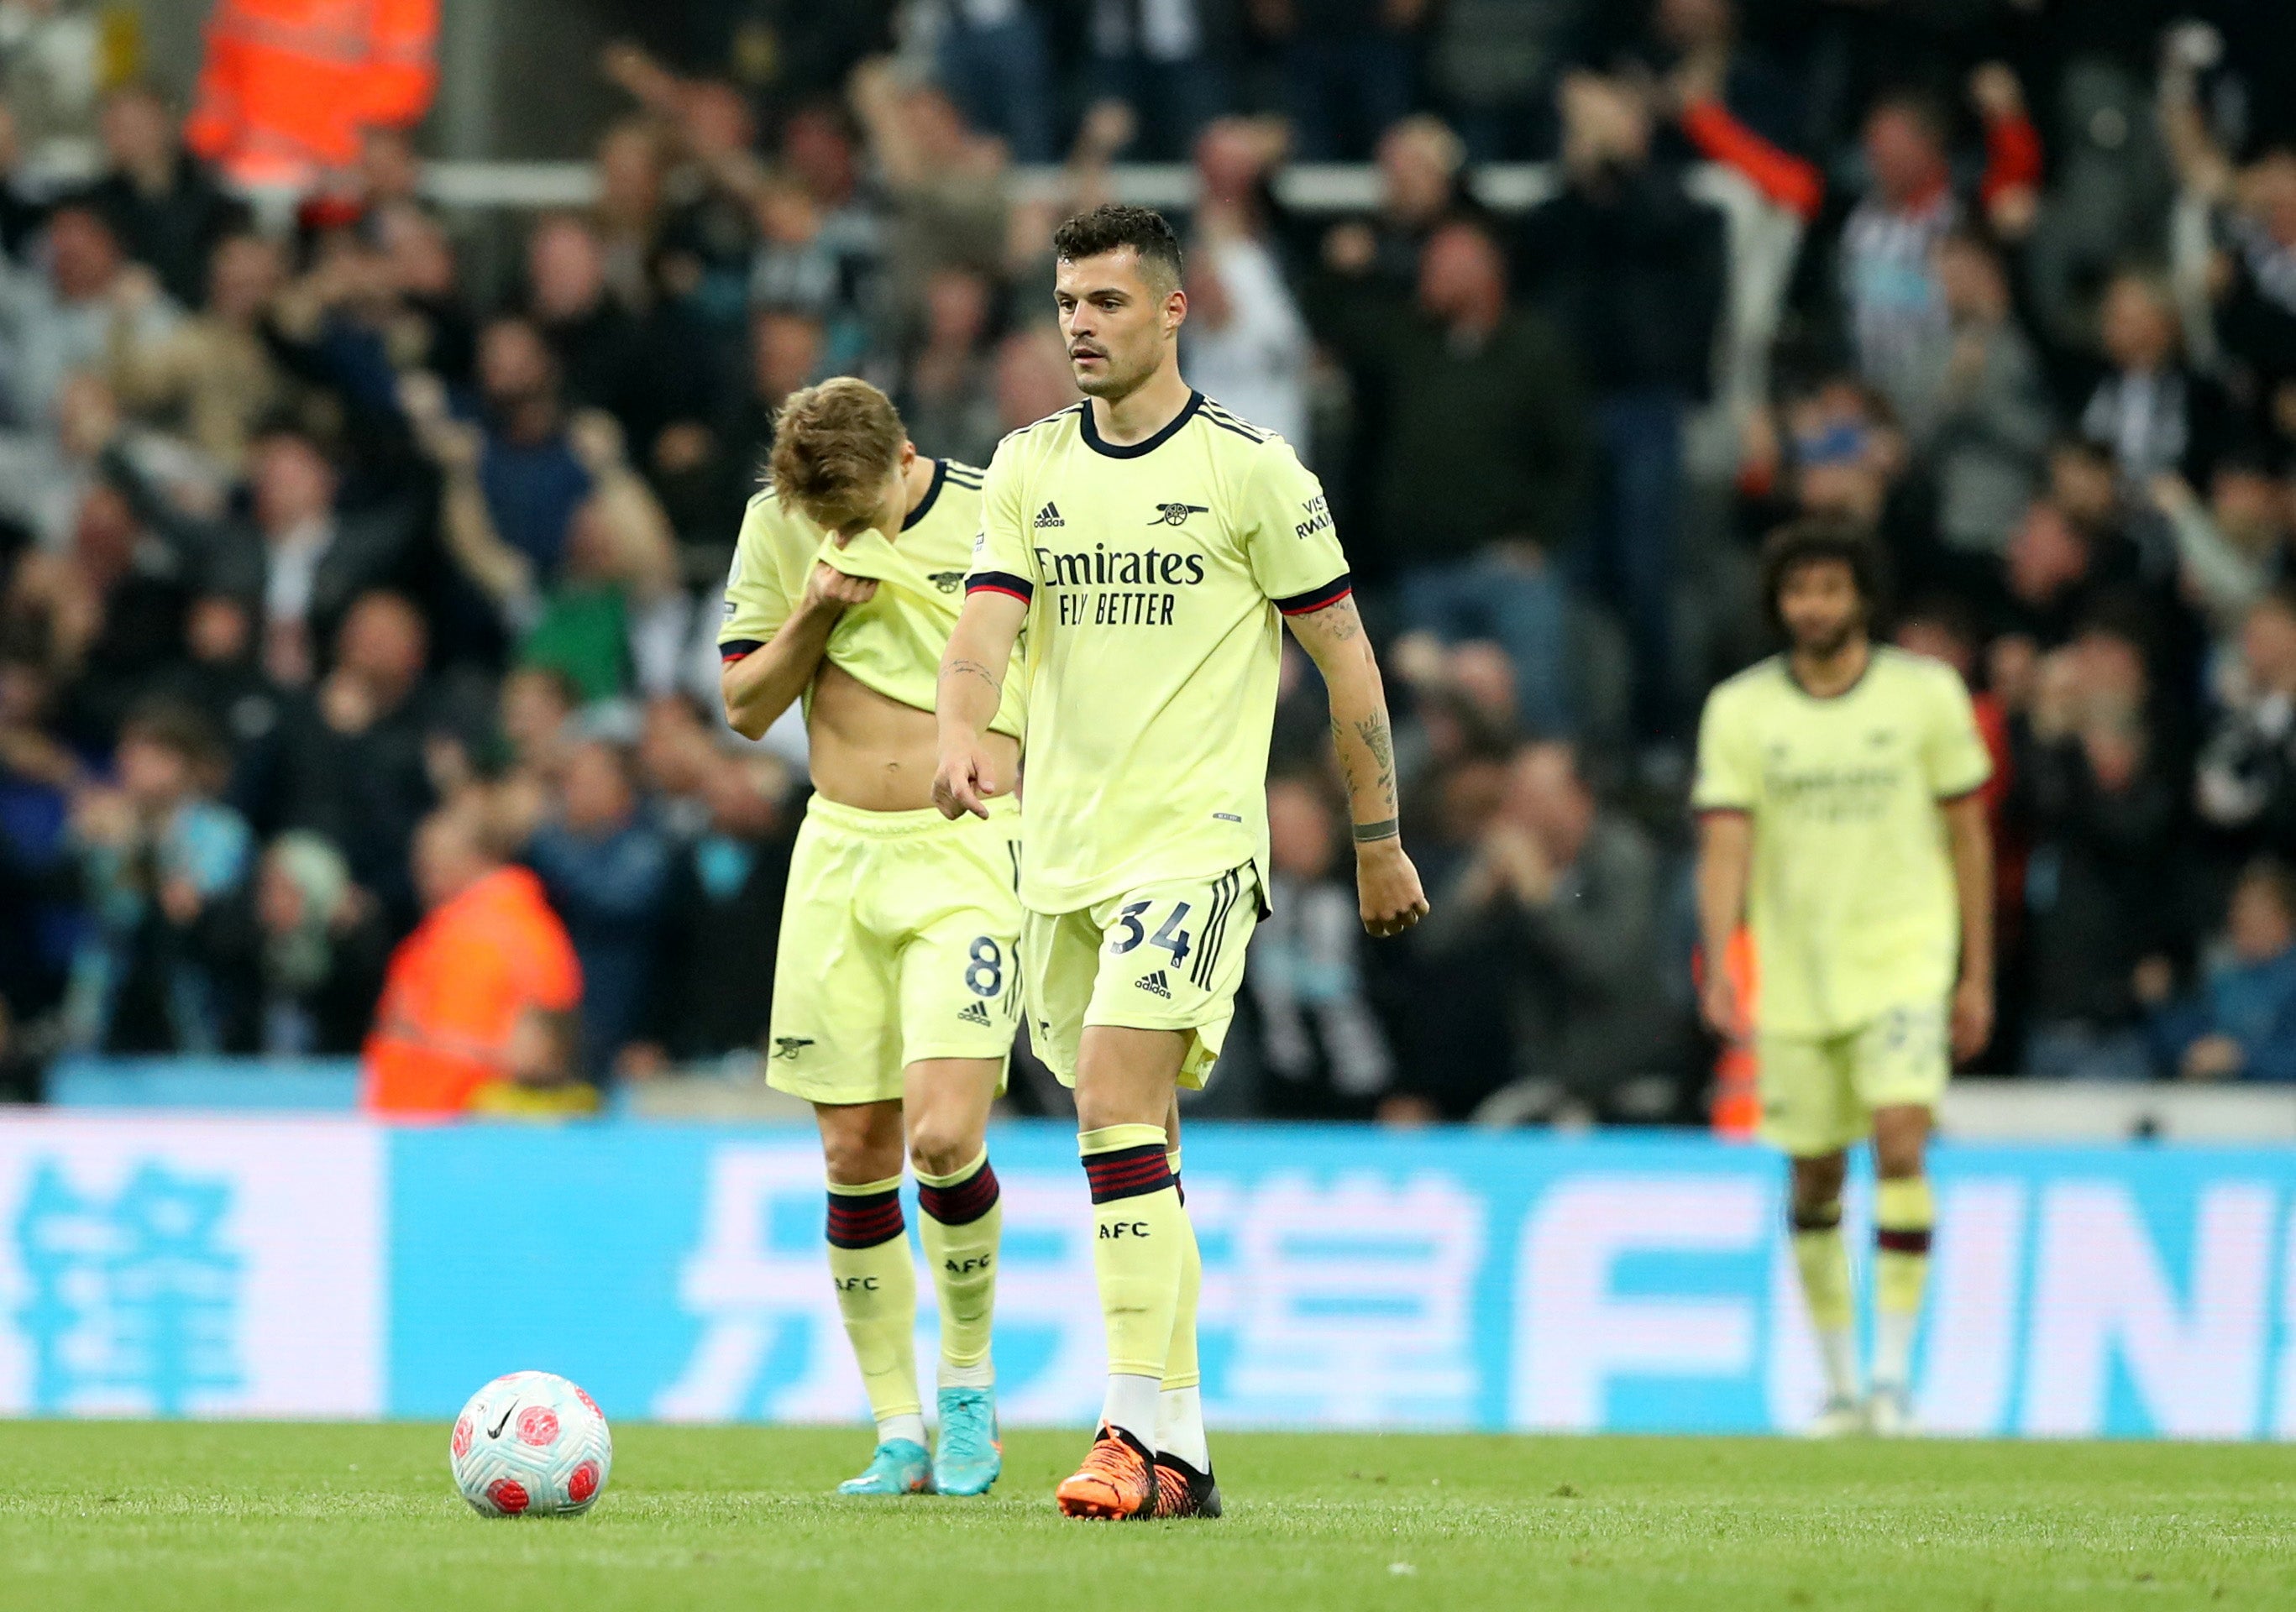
(344, 590)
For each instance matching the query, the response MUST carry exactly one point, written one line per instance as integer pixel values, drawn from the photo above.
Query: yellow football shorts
(899, 942)
(1819, 1094)
(1164, 956)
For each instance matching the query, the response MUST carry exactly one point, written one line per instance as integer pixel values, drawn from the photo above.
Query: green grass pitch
(248, 1518)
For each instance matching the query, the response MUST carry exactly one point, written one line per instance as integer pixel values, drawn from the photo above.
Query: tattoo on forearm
(1374, 732)
(955, 668)
(1386, 828)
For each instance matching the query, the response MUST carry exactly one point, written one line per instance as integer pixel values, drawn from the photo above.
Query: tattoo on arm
(1386, 828)
(1338, 621)
(1372, 731)
(955, 668)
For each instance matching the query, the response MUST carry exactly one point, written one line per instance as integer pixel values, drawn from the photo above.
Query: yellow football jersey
(893, 643)
(1851, 894)
(1154, 573)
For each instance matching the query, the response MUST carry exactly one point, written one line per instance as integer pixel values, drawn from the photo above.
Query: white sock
(1837, 1347)
(1131, 1406)
(982, 1374)
(1893, 1347)
(1180, 1427)
(910, 1426)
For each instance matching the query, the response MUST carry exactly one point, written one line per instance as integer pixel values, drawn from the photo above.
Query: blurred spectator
(1420, 185)
(628, 213)
(786, 351)
(485, 989)
(221, 676)
(212, 378)
(309, 966)
(295, 554)
(287, 89)
(1347, 69)
(162, 201)
(1493, 63)
(2100, 792)
(990, 55)
(160, 858)
(1730, 103)
(52, 68)
(1567, 894)
(1245, 344)
(1631, 270)
(1987, 424)
(2245, 785)
(1033, 377)
(532, 477)
(720, 914)
(1479, 470)
(1155, 56)
(106, 615)
(950, 404)
(1323, 1050)
(2152, 412)
(2241, 1022)
(352, 762)
(637, 370)
(62, 318)
(606, 868)
(2230, 549)
(944, 183)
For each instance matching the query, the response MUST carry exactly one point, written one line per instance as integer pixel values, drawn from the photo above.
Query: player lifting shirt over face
(1150, 542)
(895, 993)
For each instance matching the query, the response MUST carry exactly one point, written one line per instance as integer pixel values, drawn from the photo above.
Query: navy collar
(932, 495)
(1117, 450)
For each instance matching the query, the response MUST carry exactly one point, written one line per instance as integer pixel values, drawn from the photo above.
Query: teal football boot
(900, 1466)
(967, 1458)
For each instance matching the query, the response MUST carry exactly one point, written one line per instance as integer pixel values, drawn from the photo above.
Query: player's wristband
(1371, 833)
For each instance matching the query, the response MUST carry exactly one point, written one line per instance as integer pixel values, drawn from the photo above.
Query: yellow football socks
(963, 1215)
(1823, 1257)
(1141, 1241)
(877, 1296)
(1904, 1215)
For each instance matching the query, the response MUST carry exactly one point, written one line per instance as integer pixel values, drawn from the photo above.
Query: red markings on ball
(583, 1483)
(591, 1403)
(462, 1436)
(537, 1425)
(509, 1496)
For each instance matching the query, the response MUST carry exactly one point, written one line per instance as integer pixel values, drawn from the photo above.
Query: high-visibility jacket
(288, 85)
(457, 990)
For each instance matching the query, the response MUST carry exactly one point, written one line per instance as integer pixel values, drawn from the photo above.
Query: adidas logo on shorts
(1049, 516)
(1155, 984)
(974, 1013)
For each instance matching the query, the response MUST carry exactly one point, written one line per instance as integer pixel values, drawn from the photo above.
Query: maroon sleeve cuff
(1001, 582)
(1317, 598)
(733, 649)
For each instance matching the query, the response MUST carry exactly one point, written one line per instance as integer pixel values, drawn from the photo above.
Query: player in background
(1150, 541)
(1840, 815)
(895, 994)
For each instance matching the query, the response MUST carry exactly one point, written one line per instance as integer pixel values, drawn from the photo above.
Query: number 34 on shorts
(1167, 956)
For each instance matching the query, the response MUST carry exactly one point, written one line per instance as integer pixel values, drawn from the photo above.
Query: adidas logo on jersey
(974, 1013)
(1155, 984)
(1049, 516)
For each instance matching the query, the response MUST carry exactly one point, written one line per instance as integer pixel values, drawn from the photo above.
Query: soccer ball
(530, 1445)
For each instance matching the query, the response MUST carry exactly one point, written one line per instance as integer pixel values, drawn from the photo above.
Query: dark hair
(181, 729)
(1820, 538)
(1911, 100)
(1113, 225)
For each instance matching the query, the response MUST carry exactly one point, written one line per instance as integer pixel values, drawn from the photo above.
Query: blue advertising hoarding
(1353, 1278)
